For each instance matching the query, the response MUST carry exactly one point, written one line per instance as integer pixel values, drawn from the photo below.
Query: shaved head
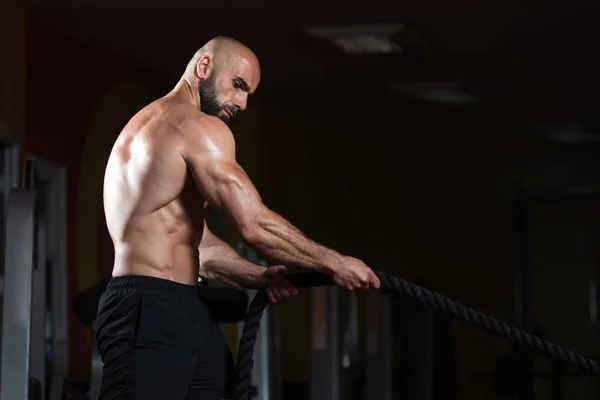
(222, 50)
(226, 72)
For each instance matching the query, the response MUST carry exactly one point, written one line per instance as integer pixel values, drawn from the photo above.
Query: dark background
(377, 156)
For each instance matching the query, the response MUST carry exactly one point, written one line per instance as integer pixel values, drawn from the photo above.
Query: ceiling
(516, 55)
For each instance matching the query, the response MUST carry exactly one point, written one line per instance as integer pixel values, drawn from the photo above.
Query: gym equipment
(334, 366)
(37, 368)
(23, 342)
(408, 350)
(379, 360)
(28, 365)
(18, 282)
(399, 286)
(325, 348)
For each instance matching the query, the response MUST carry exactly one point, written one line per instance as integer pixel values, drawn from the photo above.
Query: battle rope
(400, 286)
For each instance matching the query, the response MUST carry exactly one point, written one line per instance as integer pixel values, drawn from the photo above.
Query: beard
(209, 103)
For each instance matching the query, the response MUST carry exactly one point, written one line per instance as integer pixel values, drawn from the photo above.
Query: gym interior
(454, 146)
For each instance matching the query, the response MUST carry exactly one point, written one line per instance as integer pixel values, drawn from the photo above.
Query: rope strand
(396, 285)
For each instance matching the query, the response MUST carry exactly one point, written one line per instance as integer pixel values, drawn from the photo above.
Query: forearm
(281, 242)
(228, 189)
(220, 265)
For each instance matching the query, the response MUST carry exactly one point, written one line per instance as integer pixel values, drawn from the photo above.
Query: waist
(151, 284)
(177, 263)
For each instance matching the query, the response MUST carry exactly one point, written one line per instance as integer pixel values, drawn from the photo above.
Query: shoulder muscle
(207, 137)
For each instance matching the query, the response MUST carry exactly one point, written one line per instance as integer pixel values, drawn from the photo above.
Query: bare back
(154, 211)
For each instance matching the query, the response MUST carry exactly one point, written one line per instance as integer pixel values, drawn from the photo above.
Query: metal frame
(379, 365)
(325, 346)
(54, 177)
(51, 246)
(335, 347)
(37, 367)
(16, 327)
(419, 333)
(8, 179)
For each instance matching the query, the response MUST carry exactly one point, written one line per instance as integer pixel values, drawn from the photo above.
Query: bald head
(226, 72)
(223, 50)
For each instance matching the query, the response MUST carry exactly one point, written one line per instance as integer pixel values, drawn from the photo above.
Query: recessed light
(360, 39)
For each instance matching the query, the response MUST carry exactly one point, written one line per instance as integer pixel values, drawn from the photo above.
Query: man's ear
(204, 67)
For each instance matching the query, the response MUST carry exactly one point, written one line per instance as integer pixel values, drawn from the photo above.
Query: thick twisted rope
(400, 286)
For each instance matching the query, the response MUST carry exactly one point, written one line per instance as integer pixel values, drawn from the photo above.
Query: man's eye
(236, 84)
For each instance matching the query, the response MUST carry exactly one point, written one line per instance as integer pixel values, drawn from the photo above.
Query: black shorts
(158, 342)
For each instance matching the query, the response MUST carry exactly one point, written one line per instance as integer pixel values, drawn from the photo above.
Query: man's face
(226, 90)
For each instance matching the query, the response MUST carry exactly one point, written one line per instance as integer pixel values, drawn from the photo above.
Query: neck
(188, 88)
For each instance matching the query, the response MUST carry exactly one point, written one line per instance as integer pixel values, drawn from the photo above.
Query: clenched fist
(352, 274)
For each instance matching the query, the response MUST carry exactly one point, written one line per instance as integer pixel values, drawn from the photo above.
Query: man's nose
(241, 102)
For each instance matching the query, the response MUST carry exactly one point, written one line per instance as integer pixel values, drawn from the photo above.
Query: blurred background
(454, 144)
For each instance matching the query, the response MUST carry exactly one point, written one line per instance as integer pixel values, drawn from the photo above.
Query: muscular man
(173, 159)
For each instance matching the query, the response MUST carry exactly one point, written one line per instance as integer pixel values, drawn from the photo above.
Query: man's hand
(353, 275)
(277, 287)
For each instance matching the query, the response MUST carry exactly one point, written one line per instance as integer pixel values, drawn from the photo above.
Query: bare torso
(153, 209)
